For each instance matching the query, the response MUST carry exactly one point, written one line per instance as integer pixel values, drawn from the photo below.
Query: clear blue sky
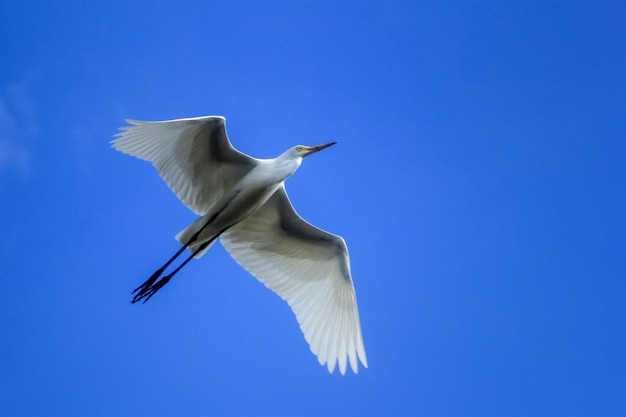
(479, 182)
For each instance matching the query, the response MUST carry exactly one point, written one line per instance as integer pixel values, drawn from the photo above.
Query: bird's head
(292, 157)
(304, 151)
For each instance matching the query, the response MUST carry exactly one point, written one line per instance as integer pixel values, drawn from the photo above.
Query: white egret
(242, 200)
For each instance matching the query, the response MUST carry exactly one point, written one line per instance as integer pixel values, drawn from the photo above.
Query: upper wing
(193, 156)
(310, 269)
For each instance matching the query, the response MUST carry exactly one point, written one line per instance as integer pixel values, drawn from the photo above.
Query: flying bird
(242, 201)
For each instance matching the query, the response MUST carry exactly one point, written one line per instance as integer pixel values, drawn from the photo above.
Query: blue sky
(479, 181)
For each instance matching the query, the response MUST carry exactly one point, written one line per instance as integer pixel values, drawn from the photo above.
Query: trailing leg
(150, 282)
(150, 287)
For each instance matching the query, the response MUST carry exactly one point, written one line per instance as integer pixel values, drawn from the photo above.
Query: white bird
(242, 200)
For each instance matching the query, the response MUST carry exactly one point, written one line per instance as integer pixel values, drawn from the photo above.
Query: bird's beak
(318, 148)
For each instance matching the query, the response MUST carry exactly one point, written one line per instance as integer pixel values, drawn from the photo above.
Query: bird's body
(242, 200)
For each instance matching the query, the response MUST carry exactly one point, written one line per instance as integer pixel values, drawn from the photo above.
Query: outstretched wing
(310, 269)
(193, 156)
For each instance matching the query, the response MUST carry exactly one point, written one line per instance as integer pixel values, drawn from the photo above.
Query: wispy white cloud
(14, 158)
(18, 125)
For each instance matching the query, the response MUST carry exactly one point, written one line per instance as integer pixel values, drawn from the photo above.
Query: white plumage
(243, 200)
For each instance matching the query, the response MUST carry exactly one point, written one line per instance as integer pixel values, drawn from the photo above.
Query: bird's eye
(299, 148)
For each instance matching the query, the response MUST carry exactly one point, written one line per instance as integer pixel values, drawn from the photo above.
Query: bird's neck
(286, 165)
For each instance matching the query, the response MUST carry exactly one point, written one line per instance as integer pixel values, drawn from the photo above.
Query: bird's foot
(150, 287)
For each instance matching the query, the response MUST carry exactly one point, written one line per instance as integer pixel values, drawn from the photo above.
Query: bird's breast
(245, 200)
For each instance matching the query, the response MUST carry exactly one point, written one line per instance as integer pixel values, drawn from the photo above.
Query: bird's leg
(148, 289)
(150, 281)
(143, 288)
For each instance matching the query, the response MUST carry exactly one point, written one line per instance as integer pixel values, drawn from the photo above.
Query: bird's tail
(185, 235)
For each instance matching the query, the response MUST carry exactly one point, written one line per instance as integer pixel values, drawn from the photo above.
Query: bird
(242, 201)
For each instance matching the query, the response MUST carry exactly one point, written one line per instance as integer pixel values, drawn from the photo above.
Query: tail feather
(187, 233)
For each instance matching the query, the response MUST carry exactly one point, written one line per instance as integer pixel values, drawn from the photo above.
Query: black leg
(150, 281)
(151, 286)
